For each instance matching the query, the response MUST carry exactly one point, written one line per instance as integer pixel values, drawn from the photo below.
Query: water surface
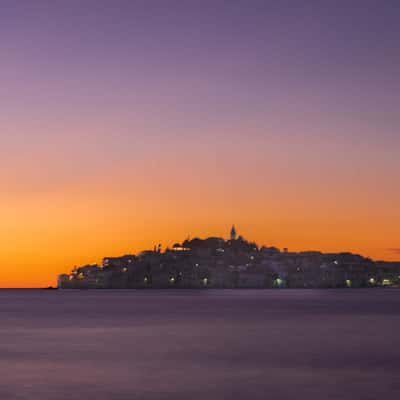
(206, 344)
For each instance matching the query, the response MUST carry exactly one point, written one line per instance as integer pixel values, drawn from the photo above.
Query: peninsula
(234, 263)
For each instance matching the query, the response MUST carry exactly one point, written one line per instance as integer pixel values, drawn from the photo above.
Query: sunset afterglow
(114, 140)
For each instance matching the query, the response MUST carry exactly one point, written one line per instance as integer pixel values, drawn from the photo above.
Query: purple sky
(311, 68)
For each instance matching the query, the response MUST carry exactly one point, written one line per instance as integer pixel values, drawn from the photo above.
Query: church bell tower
(233, 233)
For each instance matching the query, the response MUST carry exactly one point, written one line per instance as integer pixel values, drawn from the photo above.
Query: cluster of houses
(234, 263)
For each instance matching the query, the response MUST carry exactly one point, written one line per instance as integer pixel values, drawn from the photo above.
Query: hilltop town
(234, 263)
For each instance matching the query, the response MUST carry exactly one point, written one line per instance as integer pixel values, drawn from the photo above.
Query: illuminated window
(278, 282)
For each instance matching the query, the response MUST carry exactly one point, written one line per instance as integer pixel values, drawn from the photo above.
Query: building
(233, 233)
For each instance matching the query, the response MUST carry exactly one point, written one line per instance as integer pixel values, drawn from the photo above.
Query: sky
(129, 123)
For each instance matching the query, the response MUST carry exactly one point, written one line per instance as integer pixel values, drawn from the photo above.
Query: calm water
(277, 344)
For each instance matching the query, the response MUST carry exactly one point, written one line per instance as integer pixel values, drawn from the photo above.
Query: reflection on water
(302, 344)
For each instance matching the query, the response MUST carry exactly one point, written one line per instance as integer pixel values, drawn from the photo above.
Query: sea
(199, 344)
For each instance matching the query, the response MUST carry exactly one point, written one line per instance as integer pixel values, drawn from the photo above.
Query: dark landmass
(234, 263)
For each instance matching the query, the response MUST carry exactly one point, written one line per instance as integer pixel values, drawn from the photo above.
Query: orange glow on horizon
(49, 233)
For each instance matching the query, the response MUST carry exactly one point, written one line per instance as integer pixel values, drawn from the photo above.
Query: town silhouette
(215, 262)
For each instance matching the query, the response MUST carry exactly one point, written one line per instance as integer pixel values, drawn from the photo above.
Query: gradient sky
(128, 123)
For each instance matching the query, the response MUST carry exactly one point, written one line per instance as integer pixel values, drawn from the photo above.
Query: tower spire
(233, 233)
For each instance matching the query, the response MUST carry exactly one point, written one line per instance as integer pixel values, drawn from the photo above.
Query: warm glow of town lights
(197, 263)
